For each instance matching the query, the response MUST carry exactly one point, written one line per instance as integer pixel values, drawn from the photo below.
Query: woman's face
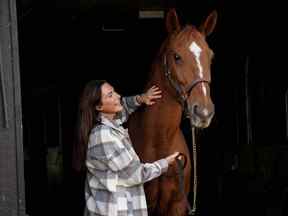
(110, 100)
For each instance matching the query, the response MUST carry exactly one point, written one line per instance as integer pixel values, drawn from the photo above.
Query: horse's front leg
(172, 201)
(152, 193)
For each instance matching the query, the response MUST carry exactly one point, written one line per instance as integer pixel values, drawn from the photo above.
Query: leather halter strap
(183, 92)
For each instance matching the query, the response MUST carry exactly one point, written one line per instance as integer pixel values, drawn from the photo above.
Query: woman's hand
(149, 96)
(171, 158)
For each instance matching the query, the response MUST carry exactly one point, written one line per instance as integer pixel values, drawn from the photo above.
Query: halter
(183, 92)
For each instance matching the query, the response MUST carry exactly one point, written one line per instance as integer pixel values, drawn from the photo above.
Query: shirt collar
(111, 123)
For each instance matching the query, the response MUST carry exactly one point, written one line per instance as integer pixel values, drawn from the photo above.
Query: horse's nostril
(202, 112)
(195, 109)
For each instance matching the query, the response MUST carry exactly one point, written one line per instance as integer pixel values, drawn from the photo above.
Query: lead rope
(181, 166)
(195, 180)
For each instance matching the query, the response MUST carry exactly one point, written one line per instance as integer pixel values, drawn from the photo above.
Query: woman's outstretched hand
(171, 158)
(150, 95)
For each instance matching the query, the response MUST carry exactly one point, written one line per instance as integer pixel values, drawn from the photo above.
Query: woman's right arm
(119, 160)
(135, 172)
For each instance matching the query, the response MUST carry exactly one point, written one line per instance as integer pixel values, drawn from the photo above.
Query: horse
(181, 70)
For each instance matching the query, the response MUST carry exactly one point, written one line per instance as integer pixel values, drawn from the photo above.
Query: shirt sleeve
(131, 170)
(138, 173)
(129, 104)
(128, 170)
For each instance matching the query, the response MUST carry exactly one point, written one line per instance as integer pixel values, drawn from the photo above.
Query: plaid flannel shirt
(115, 177)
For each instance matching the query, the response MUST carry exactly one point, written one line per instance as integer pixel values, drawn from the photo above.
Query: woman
(115, 175)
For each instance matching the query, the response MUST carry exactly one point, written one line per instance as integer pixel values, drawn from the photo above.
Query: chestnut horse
(182, 71)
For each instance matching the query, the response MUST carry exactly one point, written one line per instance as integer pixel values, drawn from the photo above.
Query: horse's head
(187, 60)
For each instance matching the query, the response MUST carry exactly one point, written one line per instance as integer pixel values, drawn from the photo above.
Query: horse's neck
(158, 124)
(167, 110)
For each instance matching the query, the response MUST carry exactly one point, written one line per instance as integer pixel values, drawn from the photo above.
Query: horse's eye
(177, 58)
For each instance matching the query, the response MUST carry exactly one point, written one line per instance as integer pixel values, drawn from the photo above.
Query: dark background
(242, 155)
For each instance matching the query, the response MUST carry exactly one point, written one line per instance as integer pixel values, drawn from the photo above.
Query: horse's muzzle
(200, 116)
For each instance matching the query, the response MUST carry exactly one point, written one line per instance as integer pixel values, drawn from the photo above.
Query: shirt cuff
(135, 101)
(163, 164)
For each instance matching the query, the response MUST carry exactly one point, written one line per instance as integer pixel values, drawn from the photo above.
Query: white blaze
(196, 50)
(204, 88)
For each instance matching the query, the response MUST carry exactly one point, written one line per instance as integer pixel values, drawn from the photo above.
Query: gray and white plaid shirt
(115, 177)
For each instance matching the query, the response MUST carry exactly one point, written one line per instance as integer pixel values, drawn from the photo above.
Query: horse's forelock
(191, 31)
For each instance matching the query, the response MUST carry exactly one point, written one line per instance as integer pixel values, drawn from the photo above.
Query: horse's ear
(208, 26)
(172, 23)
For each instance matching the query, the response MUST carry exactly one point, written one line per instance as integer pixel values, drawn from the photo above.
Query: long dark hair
(90, 98)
